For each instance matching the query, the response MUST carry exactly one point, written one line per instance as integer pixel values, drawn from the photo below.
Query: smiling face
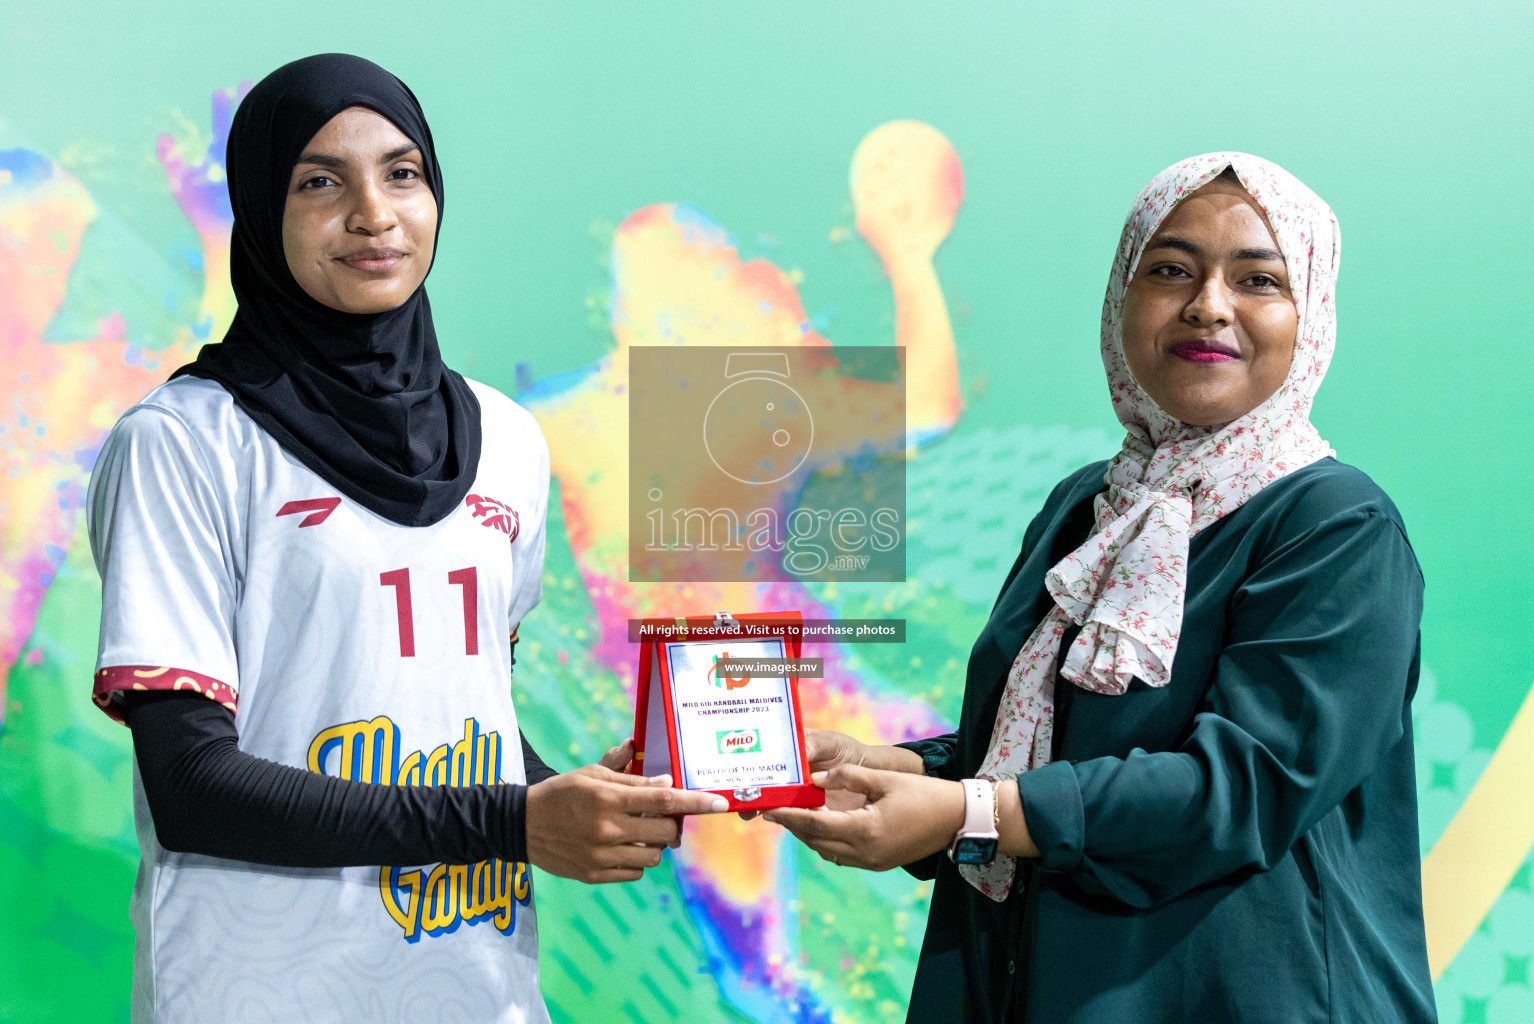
(1209, 319)
(359, 224)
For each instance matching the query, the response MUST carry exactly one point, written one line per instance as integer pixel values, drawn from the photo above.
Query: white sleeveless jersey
(347, 645)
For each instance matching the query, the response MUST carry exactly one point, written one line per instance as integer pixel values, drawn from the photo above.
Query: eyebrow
(1183, 245)
(336, 163)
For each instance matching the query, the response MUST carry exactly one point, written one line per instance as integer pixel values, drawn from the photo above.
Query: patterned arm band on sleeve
(114, 681)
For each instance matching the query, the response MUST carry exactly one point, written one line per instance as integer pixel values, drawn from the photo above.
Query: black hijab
(363, 400)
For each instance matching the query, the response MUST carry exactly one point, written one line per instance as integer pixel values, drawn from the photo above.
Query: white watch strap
(979, 808)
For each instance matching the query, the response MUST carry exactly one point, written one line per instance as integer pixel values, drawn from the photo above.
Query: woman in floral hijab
(1189, 711)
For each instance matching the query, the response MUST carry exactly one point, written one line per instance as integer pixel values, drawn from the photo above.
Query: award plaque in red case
(738, 735)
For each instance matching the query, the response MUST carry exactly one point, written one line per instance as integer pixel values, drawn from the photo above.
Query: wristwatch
(977, 838)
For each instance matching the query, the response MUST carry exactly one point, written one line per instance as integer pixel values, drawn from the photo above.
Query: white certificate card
(732, 732)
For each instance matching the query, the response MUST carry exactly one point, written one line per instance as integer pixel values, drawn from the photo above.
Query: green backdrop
(555, 122)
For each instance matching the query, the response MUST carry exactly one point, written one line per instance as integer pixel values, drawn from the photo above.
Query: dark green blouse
(1238, 846)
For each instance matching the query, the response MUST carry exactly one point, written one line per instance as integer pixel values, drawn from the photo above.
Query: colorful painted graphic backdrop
(948, 178)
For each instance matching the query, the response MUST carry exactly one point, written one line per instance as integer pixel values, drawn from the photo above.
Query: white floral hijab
(1126, 584)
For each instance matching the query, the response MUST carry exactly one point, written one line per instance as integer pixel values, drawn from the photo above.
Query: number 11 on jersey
(467, 578)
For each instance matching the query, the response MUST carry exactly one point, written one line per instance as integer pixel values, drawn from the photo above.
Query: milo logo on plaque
(738, 741)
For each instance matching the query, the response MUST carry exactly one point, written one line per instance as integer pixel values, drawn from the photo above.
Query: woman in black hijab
(351, 384)
(256, 521)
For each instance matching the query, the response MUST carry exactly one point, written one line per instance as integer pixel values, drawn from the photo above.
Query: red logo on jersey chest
(319, 509)
(495, 514)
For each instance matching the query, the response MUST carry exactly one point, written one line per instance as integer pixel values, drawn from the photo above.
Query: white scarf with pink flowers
(1125, 585)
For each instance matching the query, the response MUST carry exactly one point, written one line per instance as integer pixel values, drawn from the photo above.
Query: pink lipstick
(1205, 351)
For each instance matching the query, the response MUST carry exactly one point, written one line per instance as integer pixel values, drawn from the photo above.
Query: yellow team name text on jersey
(429, 901)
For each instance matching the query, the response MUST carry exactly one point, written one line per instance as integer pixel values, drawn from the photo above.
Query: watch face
(973, 850)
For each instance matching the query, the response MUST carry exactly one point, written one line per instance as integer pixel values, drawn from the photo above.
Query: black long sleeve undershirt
(207, 796)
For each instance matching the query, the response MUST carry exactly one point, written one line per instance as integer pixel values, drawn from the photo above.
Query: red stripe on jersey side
(320, 507)
(118, 679)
